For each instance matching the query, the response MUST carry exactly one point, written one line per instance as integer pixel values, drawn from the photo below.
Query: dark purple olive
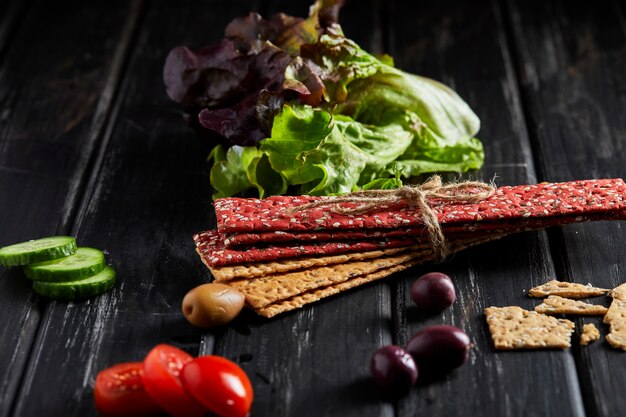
(433, 292)
(394, 370)
(439, 349)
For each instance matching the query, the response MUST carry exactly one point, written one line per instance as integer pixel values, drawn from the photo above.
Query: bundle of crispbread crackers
(282, 259)
(515, 328)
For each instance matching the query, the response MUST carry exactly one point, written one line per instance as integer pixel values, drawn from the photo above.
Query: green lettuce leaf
(349, 120)
(330, 155)
(241, 168)
(384, 183)
(375, 93)
(314, 151)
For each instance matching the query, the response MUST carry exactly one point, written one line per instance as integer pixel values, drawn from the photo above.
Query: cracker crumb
(590, 334)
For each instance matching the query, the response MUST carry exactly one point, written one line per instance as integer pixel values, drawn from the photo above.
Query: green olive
(211, 305)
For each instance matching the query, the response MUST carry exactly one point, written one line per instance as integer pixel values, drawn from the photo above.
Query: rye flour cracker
(515, 328)
(559, 305)
(566, 290)
(616, 319)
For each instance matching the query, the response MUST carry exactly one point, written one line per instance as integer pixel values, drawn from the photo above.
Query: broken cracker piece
(559, 305)
(590, 334)
(619, 293)
(515, 328)
(566, 290)
(616, 318)
(613, 312)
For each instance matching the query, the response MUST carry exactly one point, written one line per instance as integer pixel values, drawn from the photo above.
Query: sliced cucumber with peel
(60, 270)
(83, 263)
(39, 250)
(82, 288)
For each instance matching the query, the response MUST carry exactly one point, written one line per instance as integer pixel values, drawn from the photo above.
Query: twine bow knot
(418, 197)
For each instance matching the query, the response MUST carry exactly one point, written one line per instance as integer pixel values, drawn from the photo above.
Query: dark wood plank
(315, 361)
(463, 45)
(56, 81)
(11, 13)
(571, 62)
(149, 193)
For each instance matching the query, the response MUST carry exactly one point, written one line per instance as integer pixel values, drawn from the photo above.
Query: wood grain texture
(90, 145)
(148, 194)
(56, 77)
(463, 45)
(571, 63)
(315, 361)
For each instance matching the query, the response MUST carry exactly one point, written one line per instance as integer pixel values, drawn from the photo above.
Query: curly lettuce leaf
(384, 183)
(375, 93)
(311, 149)
(302, 106)
(209, 77)
(224, 88)
(227, 89)
(286, 32)
(326, 162)
(243, 167)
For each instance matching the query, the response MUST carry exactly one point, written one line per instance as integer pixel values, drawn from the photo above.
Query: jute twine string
(417, 197)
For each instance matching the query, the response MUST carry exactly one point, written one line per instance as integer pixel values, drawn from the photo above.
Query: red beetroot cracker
(213, 253)
(233, 240)
(240, 239)
(210, 247)
(512, 203)
(210, 244)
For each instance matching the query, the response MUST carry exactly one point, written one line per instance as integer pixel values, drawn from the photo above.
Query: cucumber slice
(85, 262)
(39, 250)
(82, 288)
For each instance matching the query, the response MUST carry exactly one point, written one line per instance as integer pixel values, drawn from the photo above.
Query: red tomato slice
(161, 378)
(120, 392)
(219, 384)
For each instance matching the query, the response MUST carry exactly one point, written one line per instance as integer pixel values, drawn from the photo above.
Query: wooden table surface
(90, 146)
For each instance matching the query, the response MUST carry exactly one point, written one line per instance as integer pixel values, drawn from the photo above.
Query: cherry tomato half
(161, 378)
(219, 384)
(119, 392)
